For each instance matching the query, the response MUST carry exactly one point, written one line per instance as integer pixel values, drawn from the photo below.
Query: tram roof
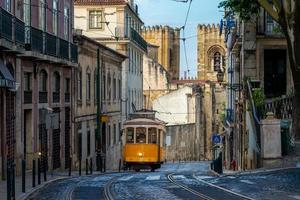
(144, 121)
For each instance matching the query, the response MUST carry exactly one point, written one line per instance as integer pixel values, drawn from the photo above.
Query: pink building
(37, 57)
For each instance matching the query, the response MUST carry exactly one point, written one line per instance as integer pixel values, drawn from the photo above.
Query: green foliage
(245, 9)
(258, 97)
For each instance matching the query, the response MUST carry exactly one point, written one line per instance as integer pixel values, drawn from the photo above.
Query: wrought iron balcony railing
(19, 32)
(63, 49)
(55, 97)
(138, 39)
(50, 44)
(34, 40)
(27, 97)
(74, 53)
(6, 24)
(43, 97)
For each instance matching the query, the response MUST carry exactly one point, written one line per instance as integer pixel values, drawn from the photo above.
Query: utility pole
(99, 123)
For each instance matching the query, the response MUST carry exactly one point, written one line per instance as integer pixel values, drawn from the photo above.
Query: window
(120, 89)
(152, 136)
(95, 86)
(27, 12)
(141, 135)
(120, 132)
(217, 61)
(109, 136)
(115, 88)
(8, 5)
(66, 22)
(27, 81)
(95, 19)
(88, 86)
(109, 86)
(56, 82)
(67, 85)
(79, 85)
(43, 81)
(55, 16)
(130, 135)
(126, 26)
(104, 86)
(115, 134)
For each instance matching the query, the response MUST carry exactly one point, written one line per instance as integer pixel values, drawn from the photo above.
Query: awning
(6, 78)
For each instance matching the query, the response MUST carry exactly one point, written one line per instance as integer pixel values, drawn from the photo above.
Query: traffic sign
(216, 138)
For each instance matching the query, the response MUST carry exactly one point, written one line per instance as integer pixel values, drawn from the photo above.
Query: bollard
(120, 162)
(39, 171)
(70, 166)
(86, 166)
(104, 164)
(91, 165)
(101, 164)
(33, 173)
(80, 167)
(23, 176)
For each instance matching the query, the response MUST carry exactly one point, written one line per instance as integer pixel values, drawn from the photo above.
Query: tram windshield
(152, 135)
(140, 135)
(130, 135)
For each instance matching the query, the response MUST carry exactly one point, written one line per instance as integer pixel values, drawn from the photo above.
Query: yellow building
(168, 41)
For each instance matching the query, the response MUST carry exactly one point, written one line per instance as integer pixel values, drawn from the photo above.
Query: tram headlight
(140, 154)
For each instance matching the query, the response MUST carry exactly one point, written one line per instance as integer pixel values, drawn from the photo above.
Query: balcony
(63, 49)
(27, 97)
(67, 97)
(55, 97)
(34, 40)
(43, 97)
(6, 24)
(19, 32)
(50, 44)
(74, 53)
(138, 39)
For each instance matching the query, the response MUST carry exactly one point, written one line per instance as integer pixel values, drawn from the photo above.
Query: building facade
(257, 53)
(89, 141)
(117, 25)
(168, 41)
(156, 79)
(39, 63)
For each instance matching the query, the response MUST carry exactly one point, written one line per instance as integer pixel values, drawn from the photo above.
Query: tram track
(188, 189)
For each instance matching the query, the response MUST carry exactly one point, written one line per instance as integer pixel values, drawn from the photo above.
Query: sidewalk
(29, 189)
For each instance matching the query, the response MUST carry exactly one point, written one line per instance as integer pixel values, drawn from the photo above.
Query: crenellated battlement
(159, 28)
(208, 28)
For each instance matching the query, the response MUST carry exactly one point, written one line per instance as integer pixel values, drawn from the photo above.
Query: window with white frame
(95, 19)
(42, 13)
(55, 16)
(27, 14)
(8, 5)
(66, 22)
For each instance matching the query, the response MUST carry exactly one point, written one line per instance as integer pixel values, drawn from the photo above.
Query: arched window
(88, 84)
(56, 82)
(114, 88)
(79, 84)
(43, 80)
(109, 86)
(217, 61)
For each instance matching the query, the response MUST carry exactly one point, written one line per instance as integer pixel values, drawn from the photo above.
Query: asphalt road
(173, 181)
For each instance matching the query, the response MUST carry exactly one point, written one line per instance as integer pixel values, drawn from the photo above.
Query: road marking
(205, 177)
(126, 178)
(247, 181)
(295, 197)
(178, 177)
(221, 188)
(153, 178)
(231, 177)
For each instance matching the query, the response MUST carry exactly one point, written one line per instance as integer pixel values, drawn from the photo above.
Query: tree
(287, 14)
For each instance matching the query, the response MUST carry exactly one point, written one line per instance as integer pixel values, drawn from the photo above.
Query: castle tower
(211, 52)
(168, 41)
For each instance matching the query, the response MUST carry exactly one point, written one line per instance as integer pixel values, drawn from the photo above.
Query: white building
(116, 24)
(176, 107)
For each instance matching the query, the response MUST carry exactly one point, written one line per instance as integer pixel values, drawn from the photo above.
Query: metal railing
(281, 107)
(6, 24)
(27, 97)
(35, 40)
(55, 97)
(63, 49)
(50, 44)
(43, 97)
(19, 31)
(138, 39)
(74, 53)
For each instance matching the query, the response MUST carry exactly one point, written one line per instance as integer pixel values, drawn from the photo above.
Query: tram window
(152, 136)
(141, 135)
(130, 135)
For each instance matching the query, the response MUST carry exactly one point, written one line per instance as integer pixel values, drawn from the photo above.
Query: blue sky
(169, 12)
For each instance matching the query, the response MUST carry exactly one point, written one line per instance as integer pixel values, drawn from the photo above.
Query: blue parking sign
(216, 138)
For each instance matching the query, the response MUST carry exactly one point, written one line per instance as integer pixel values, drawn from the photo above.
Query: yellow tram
(144, 141)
